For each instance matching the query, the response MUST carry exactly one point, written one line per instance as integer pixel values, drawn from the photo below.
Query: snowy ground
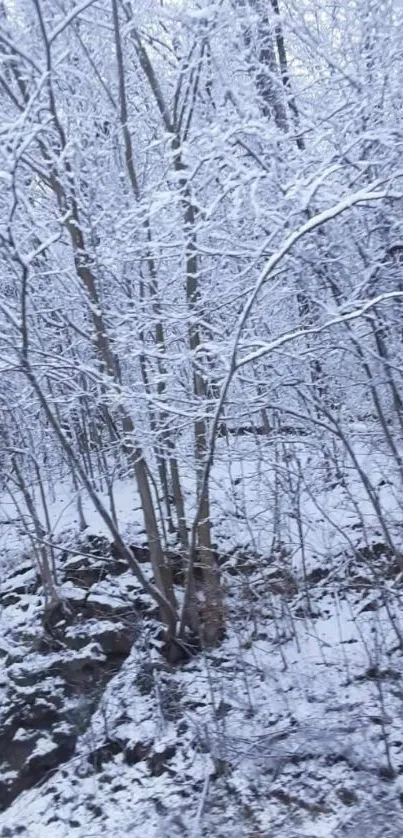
(259, 487)
(293, 727)
(264, 737)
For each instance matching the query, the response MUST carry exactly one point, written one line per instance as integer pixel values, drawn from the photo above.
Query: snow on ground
(292, 728)
(260, 487)
(274, 740)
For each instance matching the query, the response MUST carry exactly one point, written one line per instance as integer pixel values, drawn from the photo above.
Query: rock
(55, 674)
(135, 753)
(4, 650)
(28, 568)
(84, 572)
(39, 715)
(118, 567)
(157, 762)
(347, 796)
(27, 760)
(47, 755)
(25, 580)
(65, 735)
(317, 574)
(98, 559)
(24, 676)
(101, 755)
(371, 605)
(95, 545)
(115, 642)
(9, 598)
(140, 552)
(88, 660)
(99, 608)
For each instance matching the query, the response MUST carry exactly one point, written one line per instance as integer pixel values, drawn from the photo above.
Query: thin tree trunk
(158, 423)
(109, 366)
(213, 607)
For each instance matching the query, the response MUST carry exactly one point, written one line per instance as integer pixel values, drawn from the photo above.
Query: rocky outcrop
(54, 665)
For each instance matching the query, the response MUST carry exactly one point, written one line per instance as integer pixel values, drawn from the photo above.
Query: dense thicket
(201, 235)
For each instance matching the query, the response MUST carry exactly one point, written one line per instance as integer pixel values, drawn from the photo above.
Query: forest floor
(292, 728)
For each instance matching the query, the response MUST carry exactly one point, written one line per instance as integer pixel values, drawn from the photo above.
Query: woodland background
(201, 250)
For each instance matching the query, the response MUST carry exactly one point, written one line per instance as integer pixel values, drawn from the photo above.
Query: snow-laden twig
(68, 19)
(362, 196)
(266, 348)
